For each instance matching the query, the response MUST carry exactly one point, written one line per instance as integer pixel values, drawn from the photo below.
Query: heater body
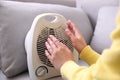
(44, 25)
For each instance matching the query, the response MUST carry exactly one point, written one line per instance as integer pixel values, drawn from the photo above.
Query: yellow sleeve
(107, 66)
(91, 57)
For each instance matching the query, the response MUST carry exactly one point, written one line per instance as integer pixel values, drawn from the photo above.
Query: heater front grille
(42, 38)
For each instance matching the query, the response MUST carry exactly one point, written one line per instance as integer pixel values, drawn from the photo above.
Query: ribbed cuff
(89, 55)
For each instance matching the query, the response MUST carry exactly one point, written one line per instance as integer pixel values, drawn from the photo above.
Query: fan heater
(44, 25)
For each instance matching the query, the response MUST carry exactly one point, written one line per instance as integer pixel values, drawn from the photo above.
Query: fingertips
(68, 22)
(48, 54)
(67, 31)
(53, 38)
(48, 47)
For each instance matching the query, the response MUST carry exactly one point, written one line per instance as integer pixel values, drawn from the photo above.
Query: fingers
(71, 30)
(52, 44)
(49, 48)
(69, 33)
(48, 55)
(55, 41)
(72, 27)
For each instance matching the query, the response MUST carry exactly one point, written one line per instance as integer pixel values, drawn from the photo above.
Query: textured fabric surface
(25, 75)
(0, 60)
(91, 7)
(0, 53)
(71, 3)
(105, 25)
(15, 21)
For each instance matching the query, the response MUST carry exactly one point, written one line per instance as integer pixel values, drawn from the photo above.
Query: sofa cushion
(71, 3)
(105, 25)
(91, 7)
(23, 76)
(15, 21)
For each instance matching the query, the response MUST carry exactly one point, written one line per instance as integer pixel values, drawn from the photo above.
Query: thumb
(69, 34)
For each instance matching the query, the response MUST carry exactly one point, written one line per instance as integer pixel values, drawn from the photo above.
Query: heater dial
(41, 71)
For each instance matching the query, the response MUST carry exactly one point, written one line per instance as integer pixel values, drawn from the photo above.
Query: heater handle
(52, 18)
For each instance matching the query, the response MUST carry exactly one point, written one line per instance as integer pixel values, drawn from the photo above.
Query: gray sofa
(94, 18)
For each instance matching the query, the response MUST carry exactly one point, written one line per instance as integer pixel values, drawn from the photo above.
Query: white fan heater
(44, 25)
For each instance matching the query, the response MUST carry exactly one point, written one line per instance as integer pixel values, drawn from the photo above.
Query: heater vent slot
(51, 31)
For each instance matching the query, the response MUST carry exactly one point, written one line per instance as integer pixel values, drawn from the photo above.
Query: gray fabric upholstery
(71, 3)
(16, 19)
(0, 53)
(105, 25)
(91, 7)
(0, 60)
(25, 75)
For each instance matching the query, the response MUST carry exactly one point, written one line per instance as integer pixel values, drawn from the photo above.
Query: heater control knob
(41, 71)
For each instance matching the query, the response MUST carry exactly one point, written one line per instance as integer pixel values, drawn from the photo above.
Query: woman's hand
(57, 52)
(75, 36)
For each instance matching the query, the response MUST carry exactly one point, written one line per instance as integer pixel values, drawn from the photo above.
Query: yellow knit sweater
(102, 67)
